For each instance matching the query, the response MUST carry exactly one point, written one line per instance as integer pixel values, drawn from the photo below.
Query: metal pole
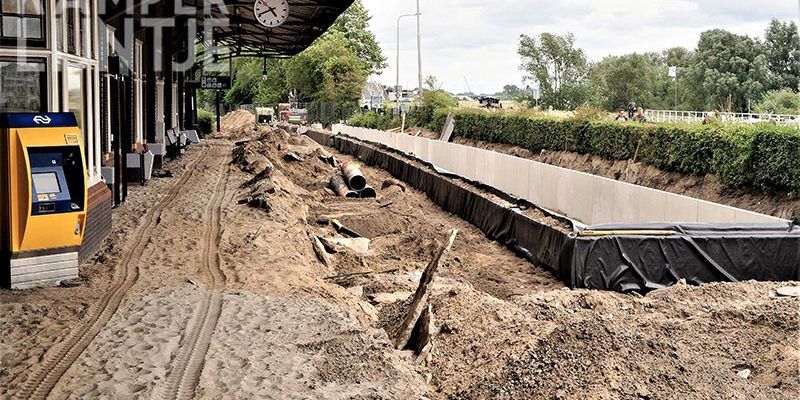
(218, 114)
(397, 83)
(419, 53)
(676, 88)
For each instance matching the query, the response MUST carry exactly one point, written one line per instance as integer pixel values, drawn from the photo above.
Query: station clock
(271, 13)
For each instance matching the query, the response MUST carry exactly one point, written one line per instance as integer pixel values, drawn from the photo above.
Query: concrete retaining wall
(584, 197)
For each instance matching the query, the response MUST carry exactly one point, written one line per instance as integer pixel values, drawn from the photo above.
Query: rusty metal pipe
(340, 188)
(368, 193)
(353, 176)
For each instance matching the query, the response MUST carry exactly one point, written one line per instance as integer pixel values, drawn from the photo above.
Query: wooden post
(420, 301)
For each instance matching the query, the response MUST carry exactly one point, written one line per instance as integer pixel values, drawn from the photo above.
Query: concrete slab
(420, 147)
(603, 201)
(489, 165)
(712, 213)
(520, 175)
(549, 186)
(567, 193)
(749, 217)
(43, 271)
(652, 205)
(438, 154)
(681, 209)
(625, 203)
(534, 183)
(504, 173)
(470, 166)
(461, 160)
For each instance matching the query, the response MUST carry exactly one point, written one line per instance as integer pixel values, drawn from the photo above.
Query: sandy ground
(230, 301)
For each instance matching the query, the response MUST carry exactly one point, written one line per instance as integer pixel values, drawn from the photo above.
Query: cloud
(477, 39)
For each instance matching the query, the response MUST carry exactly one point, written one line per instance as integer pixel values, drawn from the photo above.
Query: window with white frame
(22, 20)
(76, 27)
(23, 85)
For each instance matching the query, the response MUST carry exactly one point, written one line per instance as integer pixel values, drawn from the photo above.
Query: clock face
(271, 13)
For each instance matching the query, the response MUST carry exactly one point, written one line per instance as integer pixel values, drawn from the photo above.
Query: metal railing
(730, 118)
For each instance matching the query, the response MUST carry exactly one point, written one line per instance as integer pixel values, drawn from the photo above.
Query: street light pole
(397, 83)
(419, 53)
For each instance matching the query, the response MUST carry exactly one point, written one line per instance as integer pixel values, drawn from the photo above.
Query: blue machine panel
(50, 192)
(31, 120)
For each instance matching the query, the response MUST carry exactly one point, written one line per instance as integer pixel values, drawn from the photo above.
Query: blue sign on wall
(32, 120)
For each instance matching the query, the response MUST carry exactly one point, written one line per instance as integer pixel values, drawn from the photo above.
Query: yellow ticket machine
(43, 195)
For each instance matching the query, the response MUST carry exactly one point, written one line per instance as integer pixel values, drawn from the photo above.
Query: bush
(205, 122)
(422, 115)
(373, 120)
(762, 156)
(776, 159)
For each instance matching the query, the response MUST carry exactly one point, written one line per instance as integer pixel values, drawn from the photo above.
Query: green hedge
(761, 156)
(373, 120)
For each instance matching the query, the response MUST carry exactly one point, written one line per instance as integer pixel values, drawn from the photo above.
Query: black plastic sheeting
(698, 253)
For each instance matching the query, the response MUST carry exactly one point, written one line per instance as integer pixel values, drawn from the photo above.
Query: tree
(557, 67)
(510, 92)
(249, 85)
(726, 68)
(432, 83)
(616, 81)
(354, 25)
(328, 71)
(784, 101)
(782, 48)
(679, 57)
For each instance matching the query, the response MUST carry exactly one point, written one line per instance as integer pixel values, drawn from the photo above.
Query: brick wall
(98, 221)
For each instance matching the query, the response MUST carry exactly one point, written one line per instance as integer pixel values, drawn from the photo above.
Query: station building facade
(128, 69)
(49, 63)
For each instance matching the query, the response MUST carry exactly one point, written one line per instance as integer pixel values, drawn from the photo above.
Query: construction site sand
(503, 338)
(508, 329)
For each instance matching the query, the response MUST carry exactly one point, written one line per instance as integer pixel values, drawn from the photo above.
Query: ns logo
(42, 120)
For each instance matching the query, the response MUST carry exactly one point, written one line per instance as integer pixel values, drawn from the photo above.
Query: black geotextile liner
(699, 253)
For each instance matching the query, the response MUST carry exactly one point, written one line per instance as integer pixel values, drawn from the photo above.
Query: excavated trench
(509, 329)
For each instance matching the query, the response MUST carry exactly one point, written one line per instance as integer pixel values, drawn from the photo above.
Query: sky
(477, 39)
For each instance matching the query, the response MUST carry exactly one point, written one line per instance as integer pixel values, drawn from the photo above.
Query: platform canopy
(233, 27)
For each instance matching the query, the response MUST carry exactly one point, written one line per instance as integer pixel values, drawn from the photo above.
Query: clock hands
(269, 10)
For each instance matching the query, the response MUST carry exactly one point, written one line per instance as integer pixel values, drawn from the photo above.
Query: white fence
(731, 118)
(587, 198)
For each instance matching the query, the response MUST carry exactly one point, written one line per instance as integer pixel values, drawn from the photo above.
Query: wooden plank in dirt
(403, 333)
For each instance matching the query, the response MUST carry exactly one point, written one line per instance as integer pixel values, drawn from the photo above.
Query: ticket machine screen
(46, 183)
(57, 180)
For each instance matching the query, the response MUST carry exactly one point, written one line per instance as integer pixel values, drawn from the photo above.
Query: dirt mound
(685, 342)
(236, 124)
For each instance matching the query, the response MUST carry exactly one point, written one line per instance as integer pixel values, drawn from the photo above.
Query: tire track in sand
(44, 379)
(185, 374)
